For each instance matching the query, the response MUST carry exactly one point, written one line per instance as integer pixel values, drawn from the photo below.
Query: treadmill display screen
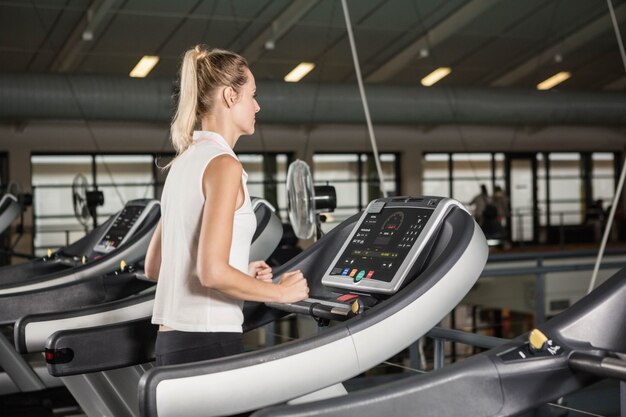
(120, 228)
(381, 243)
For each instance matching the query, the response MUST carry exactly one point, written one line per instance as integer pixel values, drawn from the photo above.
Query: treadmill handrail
(509, 379)
(602, 366)
(41, 326)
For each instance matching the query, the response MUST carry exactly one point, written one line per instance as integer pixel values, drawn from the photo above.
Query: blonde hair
(201, 73)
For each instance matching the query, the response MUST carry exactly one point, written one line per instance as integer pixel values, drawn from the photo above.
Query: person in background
(501, 201)
(479, 203)
(594, 216)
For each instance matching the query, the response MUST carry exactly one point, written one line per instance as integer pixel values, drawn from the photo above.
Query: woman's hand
(293, 286)
(260, 270)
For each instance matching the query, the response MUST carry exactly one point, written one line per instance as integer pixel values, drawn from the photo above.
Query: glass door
(521, 172)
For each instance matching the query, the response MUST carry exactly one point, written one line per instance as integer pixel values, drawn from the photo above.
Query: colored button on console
(359, 276)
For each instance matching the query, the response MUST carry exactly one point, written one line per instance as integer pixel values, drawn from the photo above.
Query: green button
(359, 276)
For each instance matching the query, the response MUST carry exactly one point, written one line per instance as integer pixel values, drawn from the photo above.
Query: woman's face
(246, 107)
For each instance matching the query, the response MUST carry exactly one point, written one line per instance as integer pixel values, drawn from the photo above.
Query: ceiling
(487, 43)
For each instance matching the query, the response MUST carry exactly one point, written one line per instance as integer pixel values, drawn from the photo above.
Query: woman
(200, 249)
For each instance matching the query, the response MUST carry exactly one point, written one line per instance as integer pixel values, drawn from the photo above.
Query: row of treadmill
(380, 280)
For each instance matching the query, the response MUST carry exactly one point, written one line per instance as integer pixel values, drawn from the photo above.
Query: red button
(369, 274)
(347, 297)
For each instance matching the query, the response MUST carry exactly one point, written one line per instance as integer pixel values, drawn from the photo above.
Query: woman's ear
(229, 96)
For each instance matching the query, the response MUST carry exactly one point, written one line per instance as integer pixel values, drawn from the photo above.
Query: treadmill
(114, 393)
(78, 282)
(125, 236)
(580, 346)
(383, 278)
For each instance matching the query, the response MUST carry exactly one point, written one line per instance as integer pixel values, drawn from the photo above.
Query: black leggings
(173, 347)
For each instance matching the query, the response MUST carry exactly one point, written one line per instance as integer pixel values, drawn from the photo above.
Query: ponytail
(185, 117)
(201, 73)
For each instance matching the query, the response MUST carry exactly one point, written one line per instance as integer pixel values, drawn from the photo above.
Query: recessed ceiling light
(554, 80)
(435, 76)
(144, 66)
(299, 72)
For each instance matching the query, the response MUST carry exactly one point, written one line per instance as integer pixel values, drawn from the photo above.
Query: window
(342, 171)
(603, 177)
(370, 185)
(280, 183)
(460, 175)
(267, 178)
(122, 178)
(355, 179)
(436, 175)
(498, 168)
(55, 224)
(565, 182)
(253, 165)
(469, 172)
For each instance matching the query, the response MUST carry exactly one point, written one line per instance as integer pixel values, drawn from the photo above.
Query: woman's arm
(152, 264)
(221, 184)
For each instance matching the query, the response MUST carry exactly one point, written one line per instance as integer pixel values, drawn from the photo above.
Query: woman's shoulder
(225, 164)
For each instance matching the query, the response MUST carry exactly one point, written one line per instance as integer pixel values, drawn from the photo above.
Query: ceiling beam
(431, 39)
(566, 45)
(287, 19)
(96, 15)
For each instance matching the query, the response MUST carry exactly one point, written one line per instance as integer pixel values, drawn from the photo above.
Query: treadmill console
(385, 243)
(124, 226)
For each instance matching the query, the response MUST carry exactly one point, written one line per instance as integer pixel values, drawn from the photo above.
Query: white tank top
(181, 302)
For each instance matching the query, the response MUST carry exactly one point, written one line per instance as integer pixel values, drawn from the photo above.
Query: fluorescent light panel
(435, 76)
(554, 80)
(144, 66)
(299, 72)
